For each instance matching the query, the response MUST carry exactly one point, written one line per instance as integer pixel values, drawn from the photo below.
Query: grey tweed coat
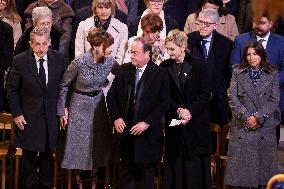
(252, 156)
(88, 131)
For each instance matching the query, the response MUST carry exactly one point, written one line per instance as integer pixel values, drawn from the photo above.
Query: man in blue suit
(274, 47)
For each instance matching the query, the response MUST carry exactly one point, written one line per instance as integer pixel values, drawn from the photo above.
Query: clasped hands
(137, 129)
(252, 122)
(184, 114)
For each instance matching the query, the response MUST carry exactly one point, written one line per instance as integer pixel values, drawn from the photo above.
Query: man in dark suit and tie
(274, 47)
(214, 49)
(32, 89)
(137, 101)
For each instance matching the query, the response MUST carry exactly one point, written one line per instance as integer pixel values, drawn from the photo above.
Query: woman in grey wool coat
(84, 130)
(254, 99)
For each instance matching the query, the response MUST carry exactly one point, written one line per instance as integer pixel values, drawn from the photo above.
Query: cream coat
(117, 29)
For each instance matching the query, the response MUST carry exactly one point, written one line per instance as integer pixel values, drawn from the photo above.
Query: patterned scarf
(255, 75)
(104, 25)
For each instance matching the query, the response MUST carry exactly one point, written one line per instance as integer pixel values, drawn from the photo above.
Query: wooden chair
(223, 156)
(215, 156)
(279, 178)
(6, 127)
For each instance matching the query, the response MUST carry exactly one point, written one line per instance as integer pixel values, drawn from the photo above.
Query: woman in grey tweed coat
(89, 73)
(254, 99)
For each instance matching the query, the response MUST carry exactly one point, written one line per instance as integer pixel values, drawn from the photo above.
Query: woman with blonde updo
(89, 74)
(187, 144)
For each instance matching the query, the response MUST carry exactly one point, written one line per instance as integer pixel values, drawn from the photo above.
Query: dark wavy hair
(260, 51)
(222, 10)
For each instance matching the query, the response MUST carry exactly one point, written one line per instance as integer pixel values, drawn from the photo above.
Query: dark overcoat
(219, 71)
(193, 94)
(28, 96)
(151, 104)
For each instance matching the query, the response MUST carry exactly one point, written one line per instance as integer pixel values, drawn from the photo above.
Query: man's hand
(20, 122)
(119, 125)
(64, 120)
(139, 128)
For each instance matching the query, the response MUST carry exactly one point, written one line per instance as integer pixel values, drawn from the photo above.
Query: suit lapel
(51, 68)
(174, 75)
(185, 72)
(262, 83)
(33, 67)
(270, 43)
(127, 78)
(246, 83)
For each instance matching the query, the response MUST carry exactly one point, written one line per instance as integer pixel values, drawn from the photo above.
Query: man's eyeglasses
(159, 2)
(206, 24)
(135, 53)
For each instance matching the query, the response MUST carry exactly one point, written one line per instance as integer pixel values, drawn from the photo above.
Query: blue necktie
(203, 42)
(137, 78)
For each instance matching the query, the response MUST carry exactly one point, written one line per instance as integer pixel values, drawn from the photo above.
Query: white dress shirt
(142, 71)
(265, 40)
(44, 66)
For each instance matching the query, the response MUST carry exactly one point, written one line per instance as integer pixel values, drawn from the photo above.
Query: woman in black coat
(188, 143)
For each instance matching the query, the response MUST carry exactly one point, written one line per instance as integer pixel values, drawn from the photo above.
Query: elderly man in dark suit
(214, 49)
(137, 100)
(32, 89)
(6, 55)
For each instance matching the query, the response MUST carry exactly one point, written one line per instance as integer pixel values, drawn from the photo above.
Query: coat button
(239, 137)
(262, 137)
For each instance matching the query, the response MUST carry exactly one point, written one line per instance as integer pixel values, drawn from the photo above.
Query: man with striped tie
(214, 49)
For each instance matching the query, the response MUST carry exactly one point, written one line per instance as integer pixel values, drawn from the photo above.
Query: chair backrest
(225, 139)
(216, 129)
(276, 182)
(7, 126)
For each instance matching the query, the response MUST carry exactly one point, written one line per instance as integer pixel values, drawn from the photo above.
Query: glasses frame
(136, 53)
(206, 24)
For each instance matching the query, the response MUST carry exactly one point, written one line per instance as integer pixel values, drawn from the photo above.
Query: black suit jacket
(192, 93)
(134, 23)
(219, 71)
(28, 96)
(151, 104)
(6, 46)
(6, 56)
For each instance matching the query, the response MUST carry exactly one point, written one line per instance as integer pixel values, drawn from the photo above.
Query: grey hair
(211, 14)
(40, 13)
(39, 31)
